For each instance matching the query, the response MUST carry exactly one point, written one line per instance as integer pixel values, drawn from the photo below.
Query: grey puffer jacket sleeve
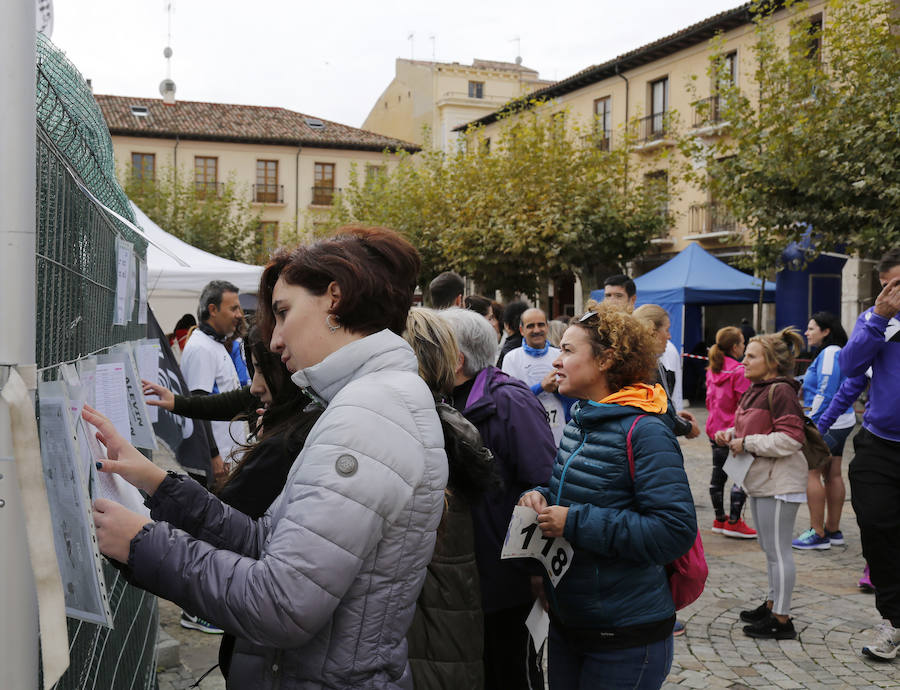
(288, 594)
(206, 517)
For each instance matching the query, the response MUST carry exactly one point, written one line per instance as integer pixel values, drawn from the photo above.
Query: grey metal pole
(18, 601)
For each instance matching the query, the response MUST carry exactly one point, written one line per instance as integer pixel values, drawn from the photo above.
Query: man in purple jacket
(514, 427)
(875, 470)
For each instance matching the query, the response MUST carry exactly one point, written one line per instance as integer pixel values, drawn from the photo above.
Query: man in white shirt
(208, 368)
(533, 362)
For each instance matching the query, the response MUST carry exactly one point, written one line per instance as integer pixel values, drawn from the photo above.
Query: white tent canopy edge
(173, 289)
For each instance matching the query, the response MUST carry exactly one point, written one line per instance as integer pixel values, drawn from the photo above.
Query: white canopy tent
(174, 289)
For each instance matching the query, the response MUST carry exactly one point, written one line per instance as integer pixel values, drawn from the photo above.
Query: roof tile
(237, 123)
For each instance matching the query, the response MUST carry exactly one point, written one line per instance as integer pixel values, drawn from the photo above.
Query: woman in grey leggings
(769, 426)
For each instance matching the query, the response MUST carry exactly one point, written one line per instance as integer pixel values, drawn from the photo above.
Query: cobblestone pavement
(833, 618)
(197, 653)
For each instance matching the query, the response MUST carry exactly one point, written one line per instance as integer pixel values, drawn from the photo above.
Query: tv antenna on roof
(167, 86)
(518, 41)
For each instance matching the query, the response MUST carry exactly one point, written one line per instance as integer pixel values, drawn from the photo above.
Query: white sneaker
(196, 623)
(885, 644)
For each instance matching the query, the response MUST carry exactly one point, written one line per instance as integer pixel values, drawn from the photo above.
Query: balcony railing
(707, 111)
(323, 196)
(448, 95)
(711, 218)
(268, 193)
(599, 139)
(205, 190)
(653, 127)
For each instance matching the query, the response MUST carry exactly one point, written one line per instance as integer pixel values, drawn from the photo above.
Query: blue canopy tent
(687, 281)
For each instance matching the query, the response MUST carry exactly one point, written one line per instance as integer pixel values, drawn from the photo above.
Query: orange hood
(640, 395)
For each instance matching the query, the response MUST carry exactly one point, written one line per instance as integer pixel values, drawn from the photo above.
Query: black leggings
(717, 487)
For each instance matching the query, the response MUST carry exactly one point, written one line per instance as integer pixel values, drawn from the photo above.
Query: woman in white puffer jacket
(321, 590)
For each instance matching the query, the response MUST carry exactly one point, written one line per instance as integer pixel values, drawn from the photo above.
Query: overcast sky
(333, 58)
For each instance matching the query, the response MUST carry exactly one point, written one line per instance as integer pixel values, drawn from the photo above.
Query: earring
(332, 328)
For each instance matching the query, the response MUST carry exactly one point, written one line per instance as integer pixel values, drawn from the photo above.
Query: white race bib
(524, 540)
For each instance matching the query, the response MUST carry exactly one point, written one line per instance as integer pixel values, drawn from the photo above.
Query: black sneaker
(770, 628)
(755, 615)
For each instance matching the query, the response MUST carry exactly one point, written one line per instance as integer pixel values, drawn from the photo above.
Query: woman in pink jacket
(725, 384)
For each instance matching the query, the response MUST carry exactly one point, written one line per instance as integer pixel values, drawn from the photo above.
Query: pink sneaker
(718, 526)
(739, 530)
(865, 582)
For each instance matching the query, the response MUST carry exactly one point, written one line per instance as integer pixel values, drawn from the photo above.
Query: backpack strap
(629, 450)
(769, 395)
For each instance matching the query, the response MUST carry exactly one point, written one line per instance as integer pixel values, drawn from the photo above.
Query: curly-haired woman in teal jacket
(612, 613)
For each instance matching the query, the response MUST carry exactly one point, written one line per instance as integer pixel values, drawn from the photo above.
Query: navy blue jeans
(636, 668)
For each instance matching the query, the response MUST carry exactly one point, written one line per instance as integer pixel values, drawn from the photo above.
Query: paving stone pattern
(833, 618)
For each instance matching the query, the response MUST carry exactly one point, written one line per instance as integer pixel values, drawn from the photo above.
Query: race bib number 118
(524, 540)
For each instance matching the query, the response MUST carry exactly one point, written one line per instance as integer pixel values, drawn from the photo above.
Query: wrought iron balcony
(711, 219)
(205, 190)
(600, 139)
(323, 196)
(654, 127)
(707, 111)
(268, 193)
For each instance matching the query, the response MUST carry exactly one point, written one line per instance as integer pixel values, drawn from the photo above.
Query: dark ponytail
(836, 333)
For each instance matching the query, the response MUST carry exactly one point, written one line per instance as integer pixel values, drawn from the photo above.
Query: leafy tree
(813, 143)
(537, 199)
(217, 218)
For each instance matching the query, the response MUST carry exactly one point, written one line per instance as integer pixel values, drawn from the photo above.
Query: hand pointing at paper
(166, 397)
(123, 458)
(116, 526)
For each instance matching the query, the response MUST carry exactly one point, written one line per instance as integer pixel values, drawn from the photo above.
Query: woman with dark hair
(821, 382)
(485, 307)
(725, 384)
(320, 591)
(612, 614)
(280, 417)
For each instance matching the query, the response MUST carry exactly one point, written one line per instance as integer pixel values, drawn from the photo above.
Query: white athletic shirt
(532, 370)
(207, 366)
(671, 360)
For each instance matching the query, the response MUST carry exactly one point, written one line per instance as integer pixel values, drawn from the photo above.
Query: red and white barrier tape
(706, 359)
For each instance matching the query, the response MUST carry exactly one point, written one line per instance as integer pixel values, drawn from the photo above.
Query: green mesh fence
(76, 285)
(68, 113)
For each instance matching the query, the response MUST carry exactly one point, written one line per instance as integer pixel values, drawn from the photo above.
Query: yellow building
(437, 97)
(651, 83)
(289, 163)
